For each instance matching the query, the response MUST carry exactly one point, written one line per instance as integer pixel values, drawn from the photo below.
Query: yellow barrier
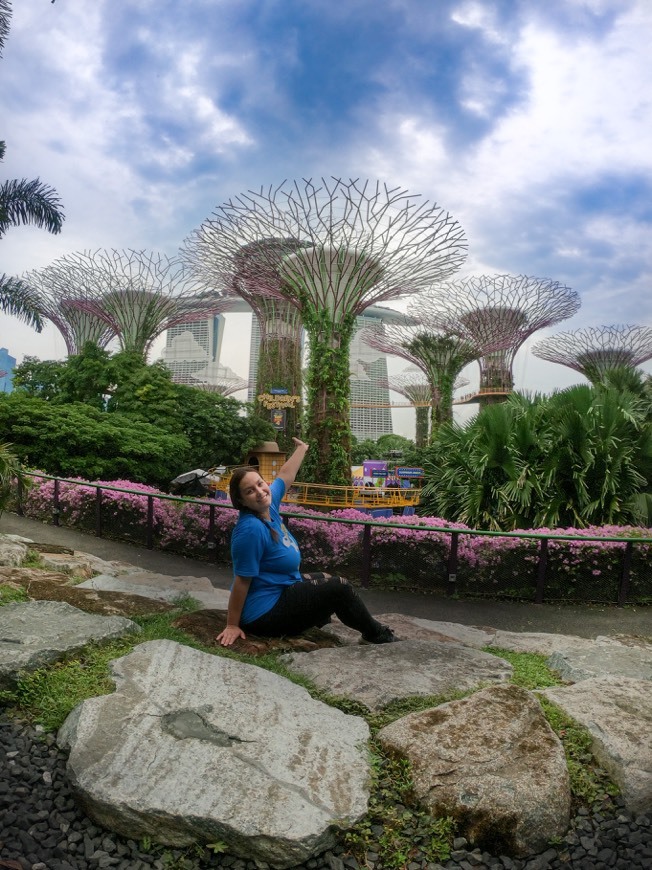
(324, 495)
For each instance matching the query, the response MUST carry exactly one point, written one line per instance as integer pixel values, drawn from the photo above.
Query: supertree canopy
(440, 356)
(138, 294)
(499, 312)
(63, 293)
(255, 279)
(358, 243)
(595, 350)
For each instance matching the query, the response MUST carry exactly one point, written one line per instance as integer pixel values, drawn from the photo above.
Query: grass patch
(530, 669)
(8, 595)
(589, 782)
(33, 559)
(395, 827)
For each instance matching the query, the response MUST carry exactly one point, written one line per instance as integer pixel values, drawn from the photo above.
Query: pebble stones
(41, 828)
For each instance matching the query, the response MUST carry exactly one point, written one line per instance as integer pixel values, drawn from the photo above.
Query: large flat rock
(377, 675)
(602, 659)
(36, 633)
(199, 748)
(149, 585)
(492, 762)
(617, 711)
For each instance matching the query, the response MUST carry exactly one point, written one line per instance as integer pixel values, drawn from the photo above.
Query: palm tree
(580, 457)
(24, 202)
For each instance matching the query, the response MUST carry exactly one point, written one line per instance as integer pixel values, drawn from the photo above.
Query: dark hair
(236, 498)
(234, 485)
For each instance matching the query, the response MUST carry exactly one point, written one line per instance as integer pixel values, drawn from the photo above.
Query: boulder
(377, 675)
(602, 659)
(12, 553)
(160, 587)
(196, 748)
(617, 712)
(36, 633)
(492, 762)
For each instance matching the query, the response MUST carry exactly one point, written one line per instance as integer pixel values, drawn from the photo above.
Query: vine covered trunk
(328, 428)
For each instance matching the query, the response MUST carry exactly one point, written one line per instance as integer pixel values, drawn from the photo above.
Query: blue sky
(531, 122)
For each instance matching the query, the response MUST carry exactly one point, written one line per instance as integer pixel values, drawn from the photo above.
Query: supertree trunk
(279, 365)
(356, 244)
(422, 426)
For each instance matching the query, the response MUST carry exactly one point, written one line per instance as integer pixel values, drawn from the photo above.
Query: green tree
(42, 378)
(77, 440)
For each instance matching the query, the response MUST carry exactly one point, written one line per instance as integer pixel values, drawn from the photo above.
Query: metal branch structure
(357, 243)
(413, 384)
(138, 294)
(63, 293)
(498, 312)
(439, 355)
(595, 350)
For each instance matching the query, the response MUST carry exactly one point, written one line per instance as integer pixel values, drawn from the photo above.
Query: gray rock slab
(413, 628)
(217, 599)
(36, 633)
(493, 763)
(12, 552)
(198, 748)
(377, 675)
(602, 659)
(617, 711)
(539, 642)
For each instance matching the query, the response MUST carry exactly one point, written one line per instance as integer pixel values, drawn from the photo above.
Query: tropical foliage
(69, 417)
(10, 470)
(580, 457)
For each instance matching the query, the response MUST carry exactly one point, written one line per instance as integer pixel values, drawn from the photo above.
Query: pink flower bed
(401, 555)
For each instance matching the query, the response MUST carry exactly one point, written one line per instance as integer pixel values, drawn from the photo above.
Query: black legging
(311, 603)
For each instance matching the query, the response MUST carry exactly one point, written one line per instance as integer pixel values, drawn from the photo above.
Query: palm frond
(29, 202)
(19, 299)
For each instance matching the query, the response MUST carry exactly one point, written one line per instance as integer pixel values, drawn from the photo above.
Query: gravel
(41, 828)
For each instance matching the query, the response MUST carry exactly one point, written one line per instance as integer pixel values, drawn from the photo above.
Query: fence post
(98, 511)
(150, 522)
(56, 510)
(623, 588)
(541, 571)
(211, 531)
(20, 495)
(452, 564)
(365, 571)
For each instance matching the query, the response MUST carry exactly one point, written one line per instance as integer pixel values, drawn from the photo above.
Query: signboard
(278, 418)
(410, 472)
(379, 472)
(278, 391)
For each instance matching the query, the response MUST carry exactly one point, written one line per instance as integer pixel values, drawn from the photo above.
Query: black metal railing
(534, 566)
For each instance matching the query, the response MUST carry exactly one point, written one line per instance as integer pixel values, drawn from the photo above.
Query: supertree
(595, 350)
(499, 312)
(138, 294)
(359, 243)
(413, 384)
(62, 294)
(256, 279)
(439, 355)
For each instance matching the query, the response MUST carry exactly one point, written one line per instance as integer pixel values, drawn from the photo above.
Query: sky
(530, 122)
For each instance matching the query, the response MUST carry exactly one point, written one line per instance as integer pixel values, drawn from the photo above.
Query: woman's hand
(299, 443)
(230, 634)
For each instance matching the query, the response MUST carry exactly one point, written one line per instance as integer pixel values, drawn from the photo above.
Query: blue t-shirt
(271, 564)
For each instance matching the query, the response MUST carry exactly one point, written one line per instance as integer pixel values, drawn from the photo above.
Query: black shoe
(383, 635)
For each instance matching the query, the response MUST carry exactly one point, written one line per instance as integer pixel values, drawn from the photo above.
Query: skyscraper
(7, 364)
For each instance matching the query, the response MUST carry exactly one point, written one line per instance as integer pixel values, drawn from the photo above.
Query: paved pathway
(585, 621)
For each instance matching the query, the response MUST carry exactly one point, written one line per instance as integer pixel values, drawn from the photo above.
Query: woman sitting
(269, 597)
